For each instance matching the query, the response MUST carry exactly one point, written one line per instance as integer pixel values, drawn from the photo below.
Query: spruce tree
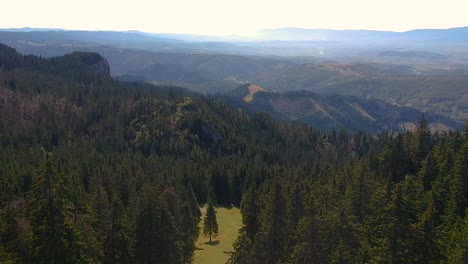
(271, 241)
(249, 210)
(189, 230)
(192, 201)
(210, 227)
(422, 143)
(158, 240)
(54, 239)
(242, 246)
(307, 248)
(457, 246)
(211, 198)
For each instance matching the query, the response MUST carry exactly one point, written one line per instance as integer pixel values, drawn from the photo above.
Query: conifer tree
(117, 241)
(427, 250)
(457, 246)
(211, 198)
(400, 231)
(242, 247)
(54, 239)
(307, 238)
(422, 143)
(271, 241)
(189, 230)
(295, 208)
(210, 227)
(157, 236)
(249, 210)
(192, 201)
(458, 184)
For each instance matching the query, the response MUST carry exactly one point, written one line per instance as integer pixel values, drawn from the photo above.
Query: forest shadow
(228, 207)
(212, 243)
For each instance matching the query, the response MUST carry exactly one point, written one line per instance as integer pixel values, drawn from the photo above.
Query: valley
(431, 78)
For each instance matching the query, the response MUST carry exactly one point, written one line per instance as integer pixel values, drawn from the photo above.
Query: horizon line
(35, 29)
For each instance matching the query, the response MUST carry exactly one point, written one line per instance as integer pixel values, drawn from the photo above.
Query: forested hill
(333, 111)
(79, 66)
(96, 171)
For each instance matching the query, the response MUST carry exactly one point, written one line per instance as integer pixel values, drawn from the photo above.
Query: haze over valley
(422, 69)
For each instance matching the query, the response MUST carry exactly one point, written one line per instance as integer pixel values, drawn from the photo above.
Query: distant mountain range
(424, 69)
(459, 34)
(301, 34)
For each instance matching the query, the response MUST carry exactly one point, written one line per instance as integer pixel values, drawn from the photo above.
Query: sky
(221, 17)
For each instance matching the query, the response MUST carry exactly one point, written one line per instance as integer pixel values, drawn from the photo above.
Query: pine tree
(307, 248)
(158, 239)
(422, 143)
(427, 250)
(211, 198)
(117, 240)
(400, 230)
(271, 242)
(210, 227)
(242, 246)
(295, 208)
(192, 202)
(458, 184)
(54, 238)
(189, 229)
(458, 242)
(249, 210)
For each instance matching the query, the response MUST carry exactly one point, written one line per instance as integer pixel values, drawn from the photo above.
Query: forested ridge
(97, 171)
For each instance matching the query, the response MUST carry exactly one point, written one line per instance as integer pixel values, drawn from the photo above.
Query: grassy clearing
(229, 222)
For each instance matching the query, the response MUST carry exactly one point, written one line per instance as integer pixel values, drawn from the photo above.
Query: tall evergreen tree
(458, 184)
(192, 201)
(422, 142)
(457, 246)
(210, 226)
(242, 247)
(55, 240)
(211, 197)
(400, 230)
(250, 211)
(189, 229)
(157, 236)
(117, 244)
(271, 242)
(307, 247)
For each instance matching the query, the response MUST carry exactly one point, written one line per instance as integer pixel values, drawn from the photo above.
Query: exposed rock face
(96, 62)
(102, 68)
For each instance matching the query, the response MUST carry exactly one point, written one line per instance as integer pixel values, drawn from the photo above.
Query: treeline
(404, 201)
(93, 170)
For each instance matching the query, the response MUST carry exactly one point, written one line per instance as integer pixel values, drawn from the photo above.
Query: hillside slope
(446, 94)
(333, 111)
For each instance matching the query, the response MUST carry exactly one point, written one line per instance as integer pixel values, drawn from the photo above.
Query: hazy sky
(220, 17)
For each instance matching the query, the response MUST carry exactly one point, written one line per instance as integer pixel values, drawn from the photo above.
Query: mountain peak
(84, 66)
(98, 64)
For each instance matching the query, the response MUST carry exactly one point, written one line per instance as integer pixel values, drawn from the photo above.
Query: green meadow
(229, 222)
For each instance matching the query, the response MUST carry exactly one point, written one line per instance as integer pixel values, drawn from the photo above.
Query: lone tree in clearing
(210, 227)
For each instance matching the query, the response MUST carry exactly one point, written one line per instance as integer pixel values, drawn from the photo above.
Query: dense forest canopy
(99, 171)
